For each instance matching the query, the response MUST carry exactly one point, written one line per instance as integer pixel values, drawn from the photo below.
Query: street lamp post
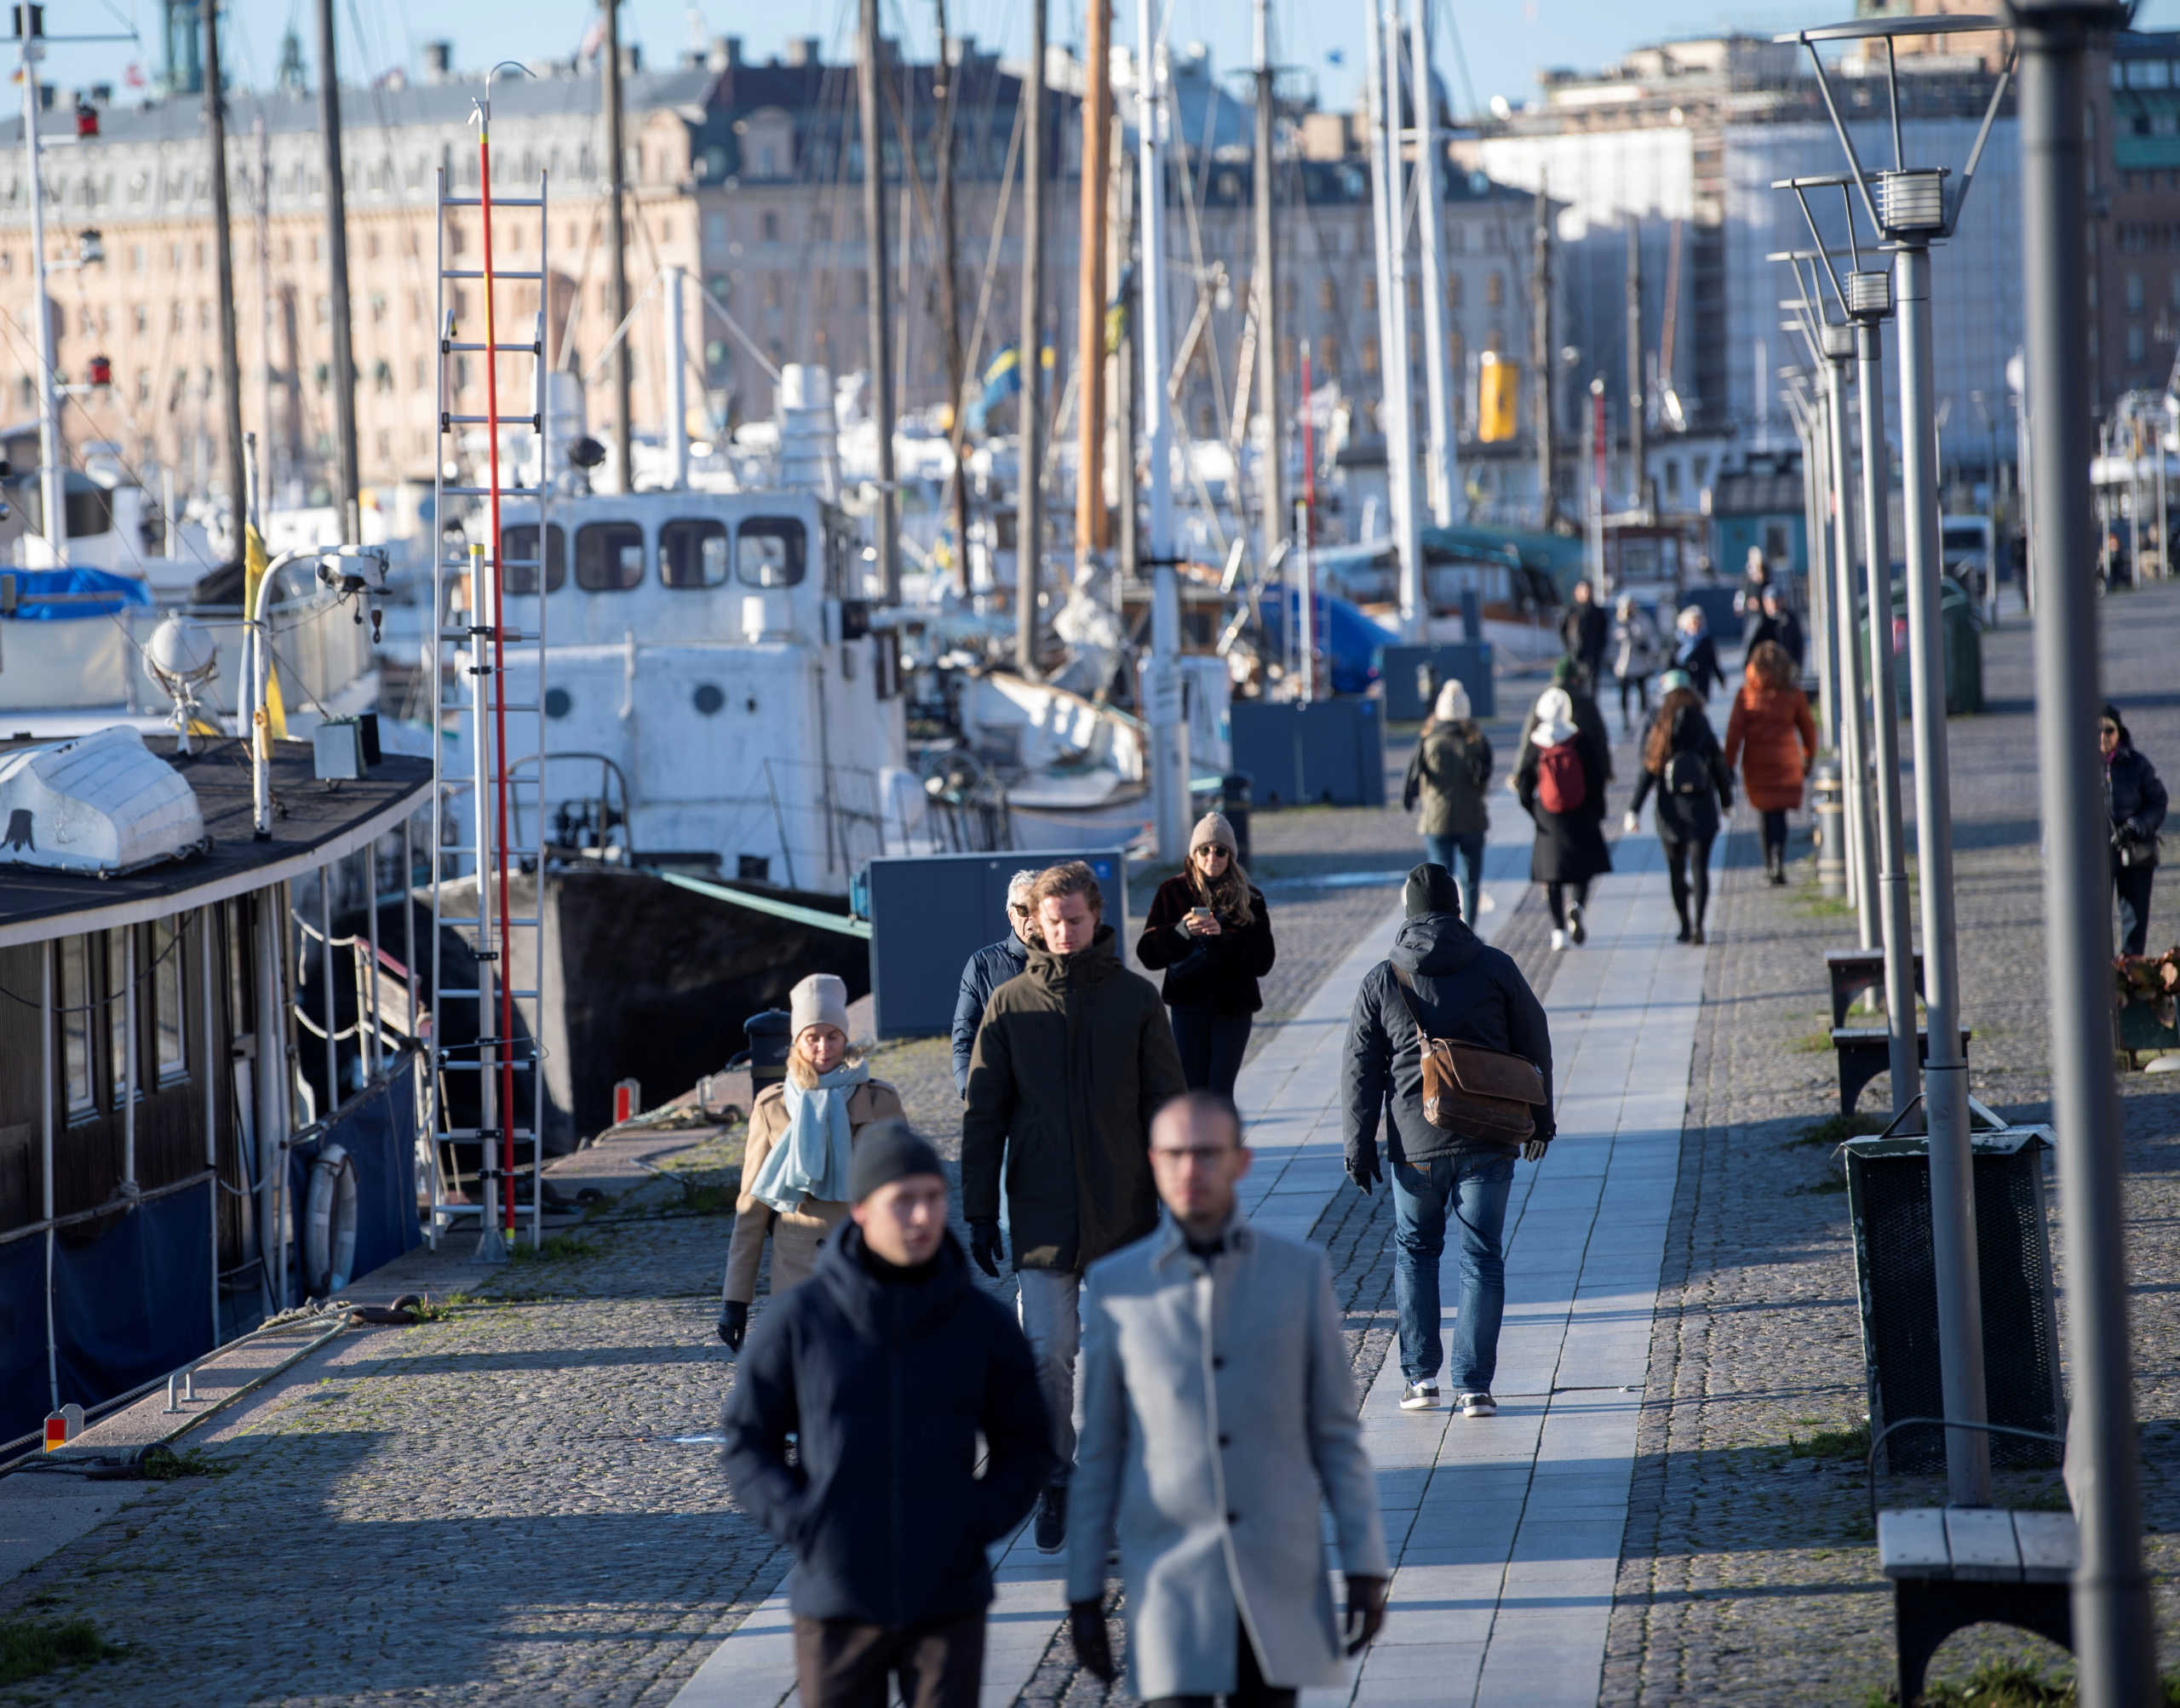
(1910, 210)
(2114, 1634)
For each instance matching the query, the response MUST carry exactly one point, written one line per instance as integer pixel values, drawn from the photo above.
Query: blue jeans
(1473, 1184)
(1468, 875)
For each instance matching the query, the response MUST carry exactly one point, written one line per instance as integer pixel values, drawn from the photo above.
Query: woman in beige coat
(794, 1165)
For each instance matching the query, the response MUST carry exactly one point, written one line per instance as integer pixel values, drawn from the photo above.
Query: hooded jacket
(1448, 774)
(988, 969)
(1464, 989)
(1074, 1058)
(886, 1380)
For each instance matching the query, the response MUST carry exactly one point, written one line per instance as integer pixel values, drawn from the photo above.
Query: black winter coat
(1589, 721)
(1466, 990)
(1786, 629)
(887, 1381)
(1570, 846)
(1584, 630)
(2134, 793)
(1074, 1058)
(1218, 973)
(988, 969)
(1690, 818)
(1701, 665)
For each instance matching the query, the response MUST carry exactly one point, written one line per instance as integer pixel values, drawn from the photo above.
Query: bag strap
(1408, 1001)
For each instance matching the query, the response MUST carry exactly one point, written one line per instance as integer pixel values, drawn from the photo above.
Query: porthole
(559, 702)
(708, 698)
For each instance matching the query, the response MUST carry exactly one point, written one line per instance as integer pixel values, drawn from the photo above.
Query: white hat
(820, 1000)
(1452, 704)
(1555, 718)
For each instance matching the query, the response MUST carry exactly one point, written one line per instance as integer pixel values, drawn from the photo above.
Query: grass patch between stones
(1811, 1044)
(30, 1648)
(2008, 1684)
(1827, 1442)
(560, 1248)
(162, 1464)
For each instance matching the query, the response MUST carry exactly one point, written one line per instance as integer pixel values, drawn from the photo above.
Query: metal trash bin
(1962, 636)
(1233, 800)
(1888, 1206)
(1828, 800)
(769, 1034)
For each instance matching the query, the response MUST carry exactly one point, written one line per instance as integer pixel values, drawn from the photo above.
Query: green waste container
(1962, 650)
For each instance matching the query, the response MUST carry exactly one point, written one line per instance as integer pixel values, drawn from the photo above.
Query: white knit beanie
(820, 1000)
(1452, 704)
(1212, 828)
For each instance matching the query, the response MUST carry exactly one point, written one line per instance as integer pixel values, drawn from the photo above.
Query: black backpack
(1686, 773)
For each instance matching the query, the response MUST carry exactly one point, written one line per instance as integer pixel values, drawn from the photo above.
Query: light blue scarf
(811, 1159)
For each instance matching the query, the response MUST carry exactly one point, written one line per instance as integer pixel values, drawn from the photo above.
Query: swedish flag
(1003, 378)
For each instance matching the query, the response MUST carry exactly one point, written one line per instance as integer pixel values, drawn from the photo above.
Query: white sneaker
(1474, 1405)
(1558, 938)
(1419, 1396)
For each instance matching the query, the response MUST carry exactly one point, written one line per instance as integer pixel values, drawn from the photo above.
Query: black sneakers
(1051, 1518)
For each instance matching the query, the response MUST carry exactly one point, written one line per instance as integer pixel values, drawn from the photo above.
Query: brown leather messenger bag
(1472, 1089)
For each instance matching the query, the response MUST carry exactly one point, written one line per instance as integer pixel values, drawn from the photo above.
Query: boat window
(169, 1035)
(610, 557)
(692, 553)
(518, 557)
(769, 552)
(73, 996)
(119, 945)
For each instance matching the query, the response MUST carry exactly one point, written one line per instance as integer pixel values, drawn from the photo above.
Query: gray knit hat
(886, 1151)
(820, 1000)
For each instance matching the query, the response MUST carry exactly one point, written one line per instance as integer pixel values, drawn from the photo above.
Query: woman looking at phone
(1208, 930)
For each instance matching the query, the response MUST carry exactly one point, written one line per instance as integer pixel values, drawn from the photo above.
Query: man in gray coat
(1219, 1414)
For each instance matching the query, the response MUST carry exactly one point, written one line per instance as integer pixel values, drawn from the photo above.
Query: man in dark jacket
(2135, 801)
(988, 969)
(1780, 623)
(1584, 631)
(886, 1366)
(1073, 1060)
(1459, 989)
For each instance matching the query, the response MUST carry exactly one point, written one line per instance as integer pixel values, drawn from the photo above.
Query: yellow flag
(254, 564)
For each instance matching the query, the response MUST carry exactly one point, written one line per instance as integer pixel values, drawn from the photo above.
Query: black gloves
(986, 1247)
(733, 1323)
(1533, 1149)
(1094, 1648)
(1366, 1613)
(1362, 1169)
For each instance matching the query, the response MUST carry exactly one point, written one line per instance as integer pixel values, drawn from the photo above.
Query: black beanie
(886, 1151)
(1431, 889)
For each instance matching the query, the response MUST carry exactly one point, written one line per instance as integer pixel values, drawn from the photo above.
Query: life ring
(330, 1223)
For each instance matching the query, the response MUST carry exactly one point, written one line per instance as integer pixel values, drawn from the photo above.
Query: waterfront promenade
(514, 1504)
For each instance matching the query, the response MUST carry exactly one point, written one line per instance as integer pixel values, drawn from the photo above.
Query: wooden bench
(1865, 1052)
(1953, 1567)
(1856, 973)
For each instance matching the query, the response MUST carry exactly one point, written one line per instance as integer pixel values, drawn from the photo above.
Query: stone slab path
(1506, 1533)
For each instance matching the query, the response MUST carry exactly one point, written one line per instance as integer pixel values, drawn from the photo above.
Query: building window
(1370, 296)
(774, 293)
(1495, 291)
(1456, 240)
(2135, 348)
(2134, 289)
(1454, 290)
(770, 225)
(1369, 353)
(1328, 295)
(716, 231)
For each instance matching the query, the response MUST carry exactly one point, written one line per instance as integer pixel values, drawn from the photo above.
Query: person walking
(1561, 783)
(1219, 1422)
(1634, 656)
(1209, 932)
(800, 1151)
(2135, 801)
(1447, 775)
(988, 969)
(885, 1372)
(1441, 983)
(1748, 599)
(1771, 738)
(1781, 624)
(1681, 760)
(1695, 652)
(1074, 1058)
(1584, 632)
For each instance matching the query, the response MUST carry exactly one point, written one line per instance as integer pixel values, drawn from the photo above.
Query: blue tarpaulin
(25, 1398)
(133, 1300)
(377, 1127)
(34, 588)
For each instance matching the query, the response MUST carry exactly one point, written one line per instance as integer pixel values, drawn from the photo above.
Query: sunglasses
(2111, 730)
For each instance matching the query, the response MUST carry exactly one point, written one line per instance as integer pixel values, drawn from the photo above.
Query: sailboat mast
(216, 125)
(1162, 705)
(1030, 507)
(1090, 529)
(616, 232)
(879, 299)
(949, 300)
(1444, 470)
(336, 229)
(1272, 482)
(52, 515)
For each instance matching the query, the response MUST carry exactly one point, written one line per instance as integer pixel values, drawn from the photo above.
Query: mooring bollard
(1234, 802)
(1830, 806)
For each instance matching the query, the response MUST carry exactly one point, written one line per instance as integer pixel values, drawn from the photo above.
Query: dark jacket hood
(1085, 967)
(1435, 944)
(869, 1303)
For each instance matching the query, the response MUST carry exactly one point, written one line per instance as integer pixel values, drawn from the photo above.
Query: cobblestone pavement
(1747, 1572)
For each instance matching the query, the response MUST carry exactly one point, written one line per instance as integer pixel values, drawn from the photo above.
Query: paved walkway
(1507, 1534)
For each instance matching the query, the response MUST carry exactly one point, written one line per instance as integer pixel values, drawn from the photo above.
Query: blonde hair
(798, 1061)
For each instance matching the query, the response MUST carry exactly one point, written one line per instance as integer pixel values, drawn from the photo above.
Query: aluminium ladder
(469, 632)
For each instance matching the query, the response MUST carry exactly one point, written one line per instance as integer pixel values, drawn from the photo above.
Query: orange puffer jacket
(1771, 737)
